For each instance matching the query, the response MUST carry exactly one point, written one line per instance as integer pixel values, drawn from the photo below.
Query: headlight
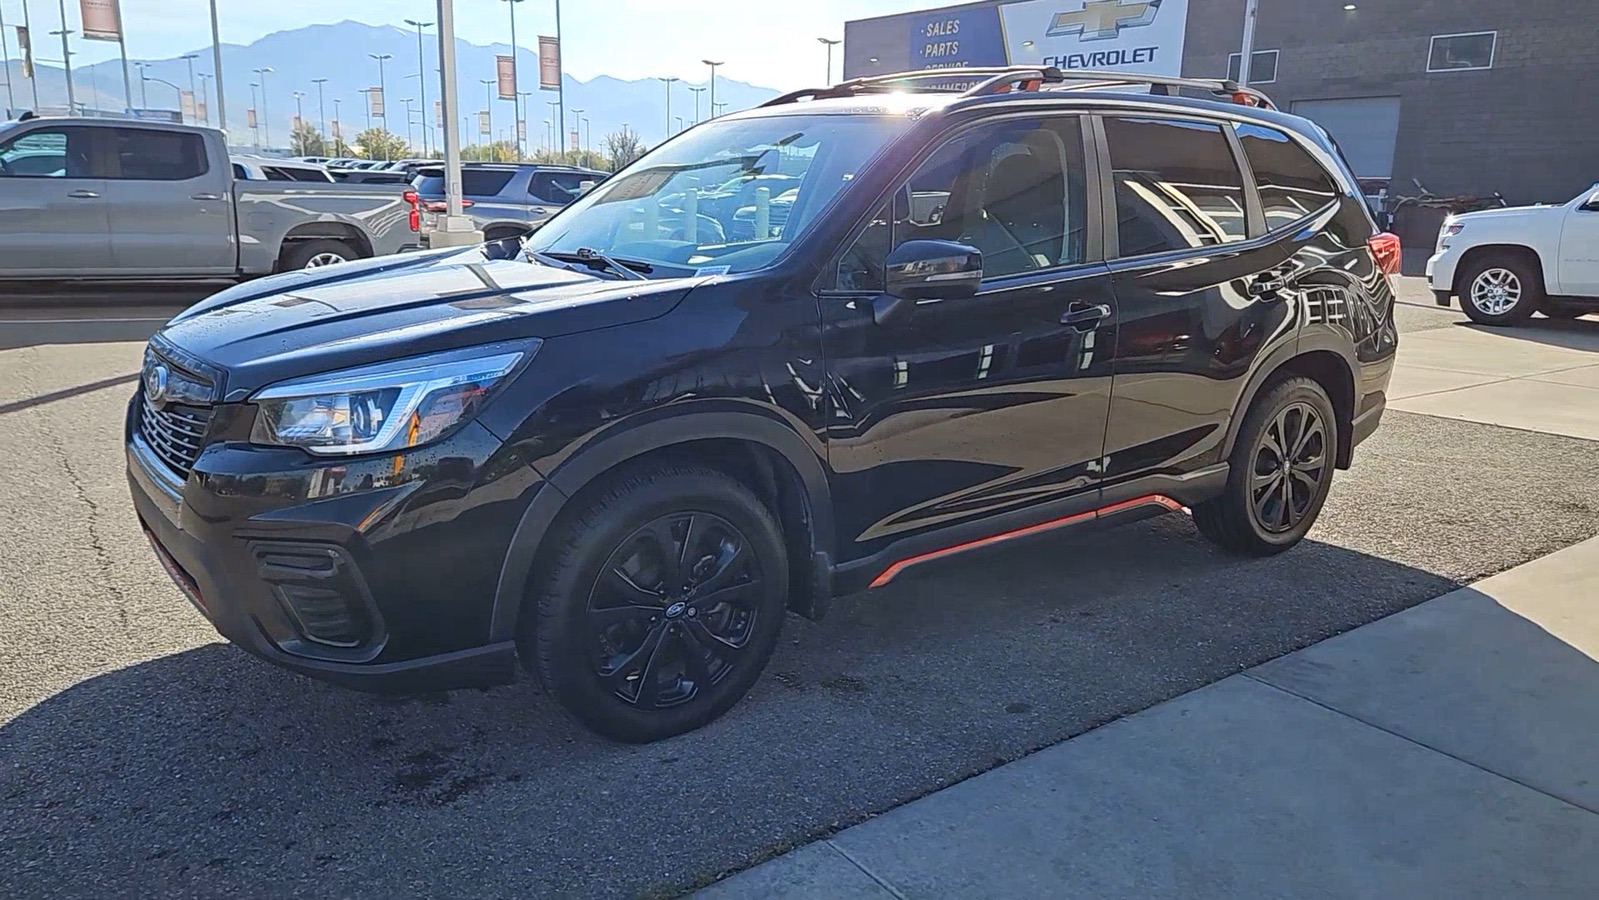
(384, 407)
(1449, 230)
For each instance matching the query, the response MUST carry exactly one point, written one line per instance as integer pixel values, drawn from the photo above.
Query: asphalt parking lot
(139, 756)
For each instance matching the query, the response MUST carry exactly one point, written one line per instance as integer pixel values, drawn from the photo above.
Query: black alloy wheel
(1291, 461)
(673, 609)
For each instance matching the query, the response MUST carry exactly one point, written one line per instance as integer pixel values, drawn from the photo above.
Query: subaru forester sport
(620, 450)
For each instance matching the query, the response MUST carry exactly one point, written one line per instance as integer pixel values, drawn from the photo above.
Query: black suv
(623, 449)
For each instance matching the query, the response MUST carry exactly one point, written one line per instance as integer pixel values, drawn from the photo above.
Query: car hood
(1502, 215)
(323, 319)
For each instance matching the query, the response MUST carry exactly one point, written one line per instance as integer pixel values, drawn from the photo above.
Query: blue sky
(767, 43)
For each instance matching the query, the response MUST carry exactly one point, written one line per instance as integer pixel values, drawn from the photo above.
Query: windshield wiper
(627, 269)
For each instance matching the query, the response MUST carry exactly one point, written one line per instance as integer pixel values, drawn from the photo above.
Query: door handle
(205, 196)
(1266, 285)
(1084, 317)
(84, 195)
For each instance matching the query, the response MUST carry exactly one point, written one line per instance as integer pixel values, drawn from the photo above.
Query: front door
(1194, 290)
(171, 211)
(52, 211)
(966, 410)
(1579, 249)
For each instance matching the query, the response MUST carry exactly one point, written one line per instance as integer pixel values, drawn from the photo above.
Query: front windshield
(726, 196)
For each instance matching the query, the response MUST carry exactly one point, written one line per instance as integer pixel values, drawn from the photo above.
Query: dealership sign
(1143, 36)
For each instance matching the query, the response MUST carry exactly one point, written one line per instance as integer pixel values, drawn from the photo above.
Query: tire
(315, 254)
(1501, 289)
(1234, 520)
(607, 559)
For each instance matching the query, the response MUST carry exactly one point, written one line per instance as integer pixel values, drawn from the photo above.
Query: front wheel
(1281, 470)
(1501, 289)
(660, 605)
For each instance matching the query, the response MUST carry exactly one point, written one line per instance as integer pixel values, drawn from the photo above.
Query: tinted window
(1450, 52)
(1292, 184)
(157, 155)
(558, 187)
(1014, 190)
(1177, 185)
(474, 182)
(273, 173)
(47, 153)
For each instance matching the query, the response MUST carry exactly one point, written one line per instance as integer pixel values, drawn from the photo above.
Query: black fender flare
(630, 439)
(1311, 339)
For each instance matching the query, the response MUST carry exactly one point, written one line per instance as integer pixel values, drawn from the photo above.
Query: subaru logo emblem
(155, 384)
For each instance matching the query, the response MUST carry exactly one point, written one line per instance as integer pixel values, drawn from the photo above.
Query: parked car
(149, 200)
(621, 455)
(1506, 264)
(503, 199)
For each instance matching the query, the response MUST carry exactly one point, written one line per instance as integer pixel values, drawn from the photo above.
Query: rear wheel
(1281, 470)
(1501, 289)
(660, 604)
(316, 254)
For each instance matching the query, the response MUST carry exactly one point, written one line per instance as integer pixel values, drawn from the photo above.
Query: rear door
(171, 212)
(52, 209)
(1190, 261)
(1579, 249)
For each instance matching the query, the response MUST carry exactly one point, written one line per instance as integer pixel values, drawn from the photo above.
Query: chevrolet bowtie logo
(1101, 20)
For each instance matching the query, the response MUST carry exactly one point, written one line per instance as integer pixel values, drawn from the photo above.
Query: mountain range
(343, 53)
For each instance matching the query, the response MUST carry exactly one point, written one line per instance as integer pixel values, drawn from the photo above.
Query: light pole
(557, 140)
(668, 83)
(66, 57)
(265, 118)
(216, 65)
(255, 127)
(521, 125)
(383, 94)
(408, 101)
(516, 106)
(488, 106)
(1249, 43)
(587, 135)
(697, 92)
(205, 96)
(679, 123)
(144, 92)
(713, 66)
(336, 119)
(577, 127)
(421, 79)
(299, 114)
(5, 55)
(34, 81)
(189, 58)
(830, 42)
(322, 106)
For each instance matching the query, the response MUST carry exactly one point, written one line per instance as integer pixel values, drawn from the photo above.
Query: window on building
(1177, 185)
(1462, 52)
(1292, 184)
(150, 155)
(1014, 190)
(1262, 66)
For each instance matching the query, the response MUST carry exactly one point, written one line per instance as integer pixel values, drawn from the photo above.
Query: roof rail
(1004, 79)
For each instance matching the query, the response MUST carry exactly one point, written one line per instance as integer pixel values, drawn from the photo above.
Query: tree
(377, 143)
(307, 141)
(621, 148)
(499, 151)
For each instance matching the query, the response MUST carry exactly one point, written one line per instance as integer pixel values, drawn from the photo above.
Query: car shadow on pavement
(67, 393)
(210, 771)
(1572, 334)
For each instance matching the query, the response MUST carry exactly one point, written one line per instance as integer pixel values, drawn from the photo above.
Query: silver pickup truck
(126, 199)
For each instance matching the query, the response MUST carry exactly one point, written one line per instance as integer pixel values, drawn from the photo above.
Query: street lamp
(336, 118)
(322, 106)
(205, 96)
(421, 78)
(668, 82)
(216, 68)
(189, 58)
(679, 123)
(697, 92)
(516, 106)
(577, 127)
(713, 66)
(299, 113)
(830, 42)
(144, 93)
(489, 85)
(587, 135)
(255, 128)
(383, 95)
(66, 56)
(265, 117)
(557, 140)
(408, 101)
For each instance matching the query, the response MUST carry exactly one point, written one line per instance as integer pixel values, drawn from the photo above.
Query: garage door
(1366, 128)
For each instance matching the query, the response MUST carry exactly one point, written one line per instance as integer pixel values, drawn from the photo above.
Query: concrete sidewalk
(1451, 750)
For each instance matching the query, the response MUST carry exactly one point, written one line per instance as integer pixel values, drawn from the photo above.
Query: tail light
(1385, 248)
(416, 214)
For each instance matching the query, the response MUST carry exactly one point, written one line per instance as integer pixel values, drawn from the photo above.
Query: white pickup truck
(1506, 264)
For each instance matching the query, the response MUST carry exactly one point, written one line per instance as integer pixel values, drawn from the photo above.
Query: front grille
(175, 433)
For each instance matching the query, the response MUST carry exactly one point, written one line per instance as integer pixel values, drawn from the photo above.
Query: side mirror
(1593, 202)
(927, 270)
(584, 186)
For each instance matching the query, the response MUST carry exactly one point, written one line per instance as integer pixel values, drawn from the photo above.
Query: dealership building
(1469, 96)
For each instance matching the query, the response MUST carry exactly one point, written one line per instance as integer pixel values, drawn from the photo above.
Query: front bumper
(376, 574)
(1441, 267)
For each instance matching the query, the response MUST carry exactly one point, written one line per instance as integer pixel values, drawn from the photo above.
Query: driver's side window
(1015, 190)
(46, 153)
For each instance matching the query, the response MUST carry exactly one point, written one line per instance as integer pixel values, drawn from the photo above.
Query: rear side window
(474, 182)
(157, 155)
(1292, 184)
(273, 173)
(1178, 186)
